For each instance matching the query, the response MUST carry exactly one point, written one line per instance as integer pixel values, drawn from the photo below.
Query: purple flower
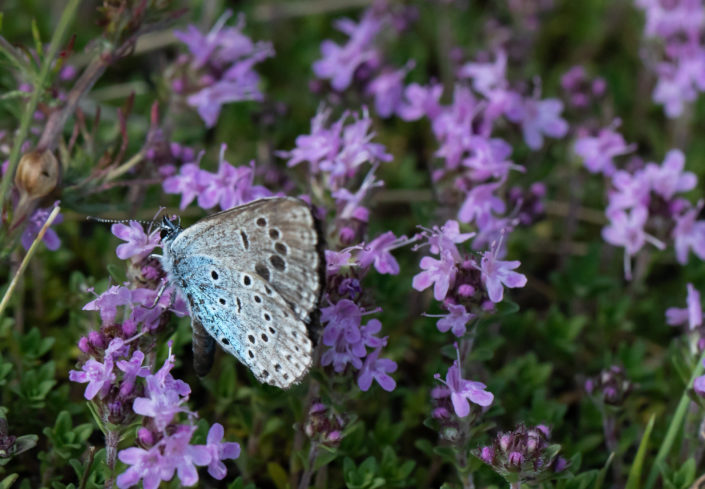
(453, 126)
(344, 317)
(539, 118)
(165, 396)
(445, 238)
(108, 302)
(627, 230)
(99, 376)
(462, 391)
(669, 178)
(630, 190)
(689, 234)
(388, 90)
(699, 384)
(439, 272)
(34, 225)
(191, 182)
(132, 369)
(151, 466)
(139, 244)
(486, 77)
(342, 334)
(338, 63)
(421, 101)
(497, 273)
(691, 315)
(231, 186)
(368, 332)
(339, 149)
(480, 204)
(228, 57)
(455, 321)
(598, 152)
(185, 457)
(219, 451)
(377, 369)
(664, 19)
(335, 260)
(378, 252)
(489, 159)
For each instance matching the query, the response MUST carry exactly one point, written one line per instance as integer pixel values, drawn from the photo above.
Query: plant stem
(306, 476)
(674, 427)
(111, 443)
(25, 260)
(64, 21)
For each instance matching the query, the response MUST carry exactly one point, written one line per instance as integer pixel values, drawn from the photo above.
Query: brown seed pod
(38, 174)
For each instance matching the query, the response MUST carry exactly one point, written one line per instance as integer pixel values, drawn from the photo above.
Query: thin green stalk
(675, 426)
(56, 40)
(25, 260)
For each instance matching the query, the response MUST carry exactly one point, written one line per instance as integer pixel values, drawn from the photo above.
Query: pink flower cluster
(122, 388)
(228, 187)
(679, 25)
(648, 196)
(220, 69)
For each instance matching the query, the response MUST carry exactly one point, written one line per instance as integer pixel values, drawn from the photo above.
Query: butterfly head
(169, 229)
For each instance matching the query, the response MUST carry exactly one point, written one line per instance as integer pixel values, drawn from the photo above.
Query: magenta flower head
(539, 118)
(139, 244)
(598, 152)
(376, 368)
(524, 455)
(689, 234)
(99, 377)
(611, 387)
(456, 320)
(35, 223)
(339, 62)
(497, 274)
(462, 392)
(224, 61)
(377, 252)
(219, 451)
(692, 315)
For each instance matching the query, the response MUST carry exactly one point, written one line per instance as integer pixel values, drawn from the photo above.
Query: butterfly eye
(163, 233)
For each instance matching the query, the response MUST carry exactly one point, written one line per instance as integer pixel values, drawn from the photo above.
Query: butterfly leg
(203, 348)
(160, 293)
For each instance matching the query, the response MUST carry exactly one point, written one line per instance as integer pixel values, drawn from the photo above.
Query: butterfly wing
(277, 239)
(247, 318)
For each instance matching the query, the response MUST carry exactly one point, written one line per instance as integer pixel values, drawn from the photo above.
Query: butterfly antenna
(154, 219)
(113, 221)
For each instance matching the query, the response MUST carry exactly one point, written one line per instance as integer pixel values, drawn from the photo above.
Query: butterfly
(253, 277)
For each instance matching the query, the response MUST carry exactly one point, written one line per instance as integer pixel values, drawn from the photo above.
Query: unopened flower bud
(145, 437)
(38, 173)
(515, 459)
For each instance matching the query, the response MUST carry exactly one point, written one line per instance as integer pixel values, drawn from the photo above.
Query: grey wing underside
(247, 318)
(277, 239)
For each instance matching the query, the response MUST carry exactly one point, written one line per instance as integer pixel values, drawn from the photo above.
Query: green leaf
(33, 346)
(278, 475)
(117, 273)
(65, 439)
(240, 484)
(599, 481)
(324, 458)
(10, 479)
(634, 480)
(37, 38)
